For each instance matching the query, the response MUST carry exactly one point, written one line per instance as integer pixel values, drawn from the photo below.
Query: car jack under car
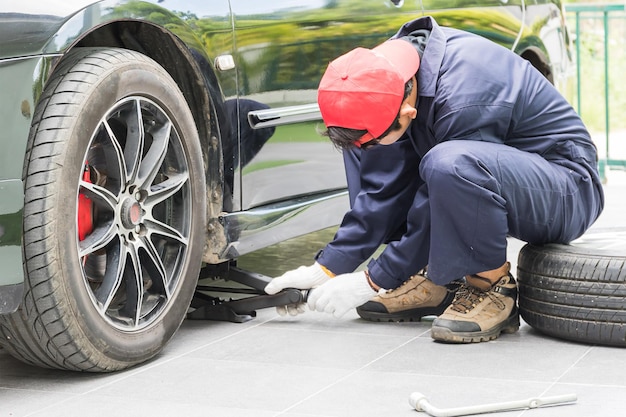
(216, 302)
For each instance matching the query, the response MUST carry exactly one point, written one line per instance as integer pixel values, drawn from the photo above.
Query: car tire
(114, 215)
(577, 291)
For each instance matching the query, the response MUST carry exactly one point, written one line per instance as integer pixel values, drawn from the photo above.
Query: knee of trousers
(455, 164)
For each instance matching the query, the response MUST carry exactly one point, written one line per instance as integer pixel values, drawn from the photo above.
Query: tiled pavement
(319, 366)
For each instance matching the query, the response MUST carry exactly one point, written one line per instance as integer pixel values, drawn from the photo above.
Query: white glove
(303, 278)
(341, 294)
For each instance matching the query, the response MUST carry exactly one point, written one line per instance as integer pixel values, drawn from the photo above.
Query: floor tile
(318, 366)
(600, 366)
(226, 383)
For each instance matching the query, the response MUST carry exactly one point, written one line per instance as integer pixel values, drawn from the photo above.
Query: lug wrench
(420, 403)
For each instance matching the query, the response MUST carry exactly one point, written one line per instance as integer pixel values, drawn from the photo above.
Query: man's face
(408, 112)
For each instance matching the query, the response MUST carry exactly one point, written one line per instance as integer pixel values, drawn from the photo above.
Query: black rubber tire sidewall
(578, 291)
(102, 346)
(150, 82)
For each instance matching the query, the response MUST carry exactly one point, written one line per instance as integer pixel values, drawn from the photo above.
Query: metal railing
(603, 13)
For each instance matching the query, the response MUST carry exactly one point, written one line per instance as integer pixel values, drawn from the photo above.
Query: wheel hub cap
(131, 213)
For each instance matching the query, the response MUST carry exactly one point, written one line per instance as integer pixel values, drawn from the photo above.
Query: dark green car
(144, 140)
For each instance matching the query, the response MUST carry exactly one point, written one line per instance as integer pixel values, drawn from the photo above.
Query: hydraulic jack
(249, 285)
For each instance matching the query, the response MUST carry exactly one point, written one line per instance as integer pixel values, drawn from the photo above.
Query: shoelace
(468, 297)
(421, 272)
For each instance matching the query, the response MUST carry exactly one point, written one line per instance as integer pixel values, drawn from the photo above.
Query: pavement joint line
(350, 374)
(569, 368)
(145, 368)
(553, 384)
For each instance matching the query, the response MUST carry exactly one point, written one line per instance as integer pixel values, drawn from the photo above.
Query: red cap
(363, 89)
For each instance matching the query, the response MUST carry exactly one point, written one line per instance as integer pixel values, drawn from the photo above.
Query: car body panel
(11, 205)
(20, 83)
(271, 175)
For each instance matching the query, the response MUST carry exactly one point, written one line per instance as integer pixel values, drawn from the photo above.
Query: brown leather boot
(480, 311)
(416, 298)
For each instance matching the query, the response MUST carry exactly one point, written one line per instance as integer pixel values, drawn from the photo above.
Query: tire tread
(37, 333)
(579, 297)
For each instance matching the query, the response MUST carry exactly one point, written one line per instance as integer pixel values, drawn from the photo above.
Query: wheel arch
(189, 68)
(538, 59)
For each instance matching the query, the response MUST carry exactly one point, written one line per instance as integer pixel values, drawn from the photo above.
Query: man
(451, 143)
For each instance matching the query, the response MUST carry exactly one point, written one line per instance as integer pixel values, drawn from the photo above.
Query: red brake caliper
(85, 212)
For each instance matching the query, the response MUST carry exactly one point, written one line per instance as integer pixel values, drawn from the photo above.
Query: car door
(282, 50)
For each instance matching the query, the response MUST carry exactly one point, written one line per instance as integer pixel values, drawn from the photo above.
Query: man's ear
(408, 110)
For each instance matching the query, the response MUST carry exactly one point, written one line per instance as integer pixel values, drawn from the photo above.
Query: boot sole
(401, 316)
(414, 314)
(443, 334)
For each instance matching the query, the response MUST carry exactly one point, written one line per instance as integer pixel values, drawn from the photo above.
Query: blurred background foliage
(591, 37)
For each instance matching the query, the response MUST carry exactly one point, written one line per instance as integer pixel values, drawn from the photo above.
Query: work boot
(416, 298)
(479, 312)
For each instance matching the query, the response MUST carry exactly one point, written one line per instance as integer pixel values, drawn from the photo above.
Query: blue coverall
(495, 151)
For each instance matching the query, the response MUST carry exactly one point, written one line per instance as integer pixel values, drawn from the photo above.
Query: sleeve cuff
(337, 262)
(381, 277)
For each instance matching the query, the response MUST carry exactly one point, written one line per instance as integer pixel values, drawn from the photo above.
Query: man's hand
(341, 294)
(303, 278)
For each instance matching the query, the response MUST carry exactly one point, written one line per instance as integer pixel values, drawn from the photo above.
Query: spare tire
(576, 291)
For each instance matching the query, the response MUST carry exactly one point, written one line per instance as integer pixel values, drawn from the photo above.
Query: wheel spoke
(99, 195)
(116, 259)
(158, 194)
(155, 267)
(159, 228)
(164, 190)
(134, 141)
(118, 154)
(153, 160)
(104, 231)
(98, 239)
(134, 286)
